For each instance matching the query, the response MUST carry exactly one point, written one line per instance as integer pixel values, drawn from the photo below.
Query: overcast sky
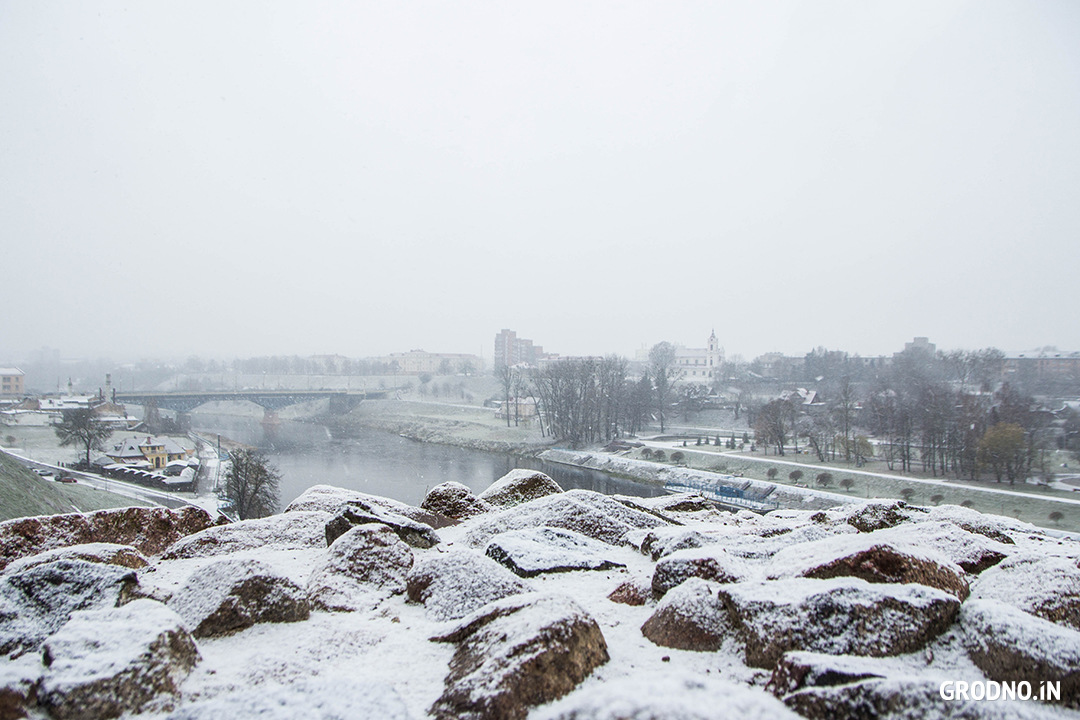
(248, 178)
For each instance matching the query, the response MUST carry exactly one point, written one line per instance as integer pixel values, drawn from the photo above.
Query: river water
(381, 463)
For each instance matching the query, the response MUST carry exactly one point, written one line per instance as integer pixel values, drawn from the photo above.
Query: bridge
(341, 401)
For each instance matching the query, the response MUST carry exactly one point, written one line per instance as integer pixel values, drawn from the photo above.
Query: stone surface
(581, 511)
(363, 566)
(149, 530)
(329, 499)
(107, 662)
(631, 592)
(531, 552)
(455, 500)
(518, 653)
(877, 515)
(666, 697)
(690, 617)
(799, 670)
(837, 616)
(666, 540)
(104, 553)
(354, 513)
(1046, 586)
(871, 558)
(36, 601)
(18, 687)
(1010, 645)
(712, 563)
(519, 486)
(298, 530)
(233, 594)
(971, 551)
(452, 585)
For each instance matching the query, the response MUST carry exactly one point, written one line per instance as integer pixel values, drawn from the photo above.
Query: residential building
(512, 350)
(154, 451)
(12, 382)
(418, 362)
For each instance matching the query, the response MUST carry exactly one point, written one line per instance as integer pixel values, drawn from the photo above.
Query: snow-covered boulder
(636, 591)
(363, 566)
(518, 486)
(36, 601)
(517, 653)
(455, 500)
(103, 663)
(355, 513)
(878, 515)
(872, 558)
(452, 585)
(1010, 645)
(234, 594)
(19, 681)
(1042, 585)
(837, 616)
(710, 563)
(691, 616)
(104, 553)
(667, 697)
(581, 511)
(297, 530)
(973, 552)
(799, 670)
(149, 530)
(531, 552)
(665, 540)
(329, 499)
(318, 698)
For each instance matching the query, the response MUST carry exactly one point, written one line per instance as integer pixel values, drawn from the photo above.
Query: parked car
(66, 479)
(44, 473)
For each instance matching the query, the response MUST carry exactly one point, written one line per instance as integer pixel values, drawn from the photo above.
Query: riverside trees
(251, 485)
(81, 427)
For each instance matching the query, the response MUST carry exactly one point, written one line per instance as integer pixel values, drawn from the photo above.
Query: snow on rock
(518, 486)
(764, 541)
(288, 530)
(711, 563)
(150, 530)
(878, 515)
(517, 653)
(581, 511)
(19, 681)
(1010, 645)
(873, 558)
(530, 552)
(455, 500)
(233, 594)
(354, 512)
(105, 553)
(839, 616)
(363, 566)
(688, 502)
(973, 552)
(691, 616)
(798, 670)
(666, 697)
(632, 592)
(36, 601)
(666, 540)
(1048, 587)
(319, 698)
(329, 499)
(103, 663)
(452, 585)
(1002, 529)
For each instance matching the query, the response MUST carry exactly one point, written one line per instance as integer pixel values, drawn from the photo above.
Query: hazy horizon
(282, 178)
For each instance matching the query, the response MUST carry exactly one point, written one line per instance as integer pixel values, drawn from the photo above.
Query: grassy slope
(23, 493)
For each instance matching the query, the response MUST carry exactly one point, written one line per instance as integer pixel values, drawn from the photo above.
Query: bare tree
(664, 375)
(81, 427)
(251, 485)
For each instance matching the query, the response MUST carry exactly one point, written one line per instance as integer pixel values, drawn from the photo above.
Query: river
(381, 463)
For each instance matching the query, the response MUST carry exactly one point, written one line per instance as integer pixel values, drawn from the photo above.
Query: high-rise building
(512, 350)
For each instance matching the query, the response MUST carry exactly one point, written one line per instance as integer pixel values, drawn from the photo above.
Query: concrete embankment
(660, 474)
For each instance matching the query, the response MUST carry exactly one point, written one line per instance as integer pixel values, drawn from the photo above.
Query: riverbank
(467, 426)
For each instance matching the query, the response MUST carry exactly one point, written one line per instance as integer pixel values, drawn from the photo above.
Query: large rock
(452, 585)
(36, 601)
(517, 653)
(231, 595)
(871, 558)
(317, 698)
(455, 500)
(691, 616)
(528, 553)
(1042, 585)
(361, 567)
(296, 530)
(519, 486)
(581, 511)
(972, 551)
(1010, 645)
(19, 681)
(800, 670)
(666, 540)
(104, 663)
(666, 697)
(838, 616)
(330, 499)
(355, 513)
(104, 553)
(149, 530)
(713, 563)
(878, 515)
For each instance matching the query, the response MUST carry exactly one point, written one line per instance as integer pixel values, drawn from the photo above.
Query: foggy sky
(247, 178)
